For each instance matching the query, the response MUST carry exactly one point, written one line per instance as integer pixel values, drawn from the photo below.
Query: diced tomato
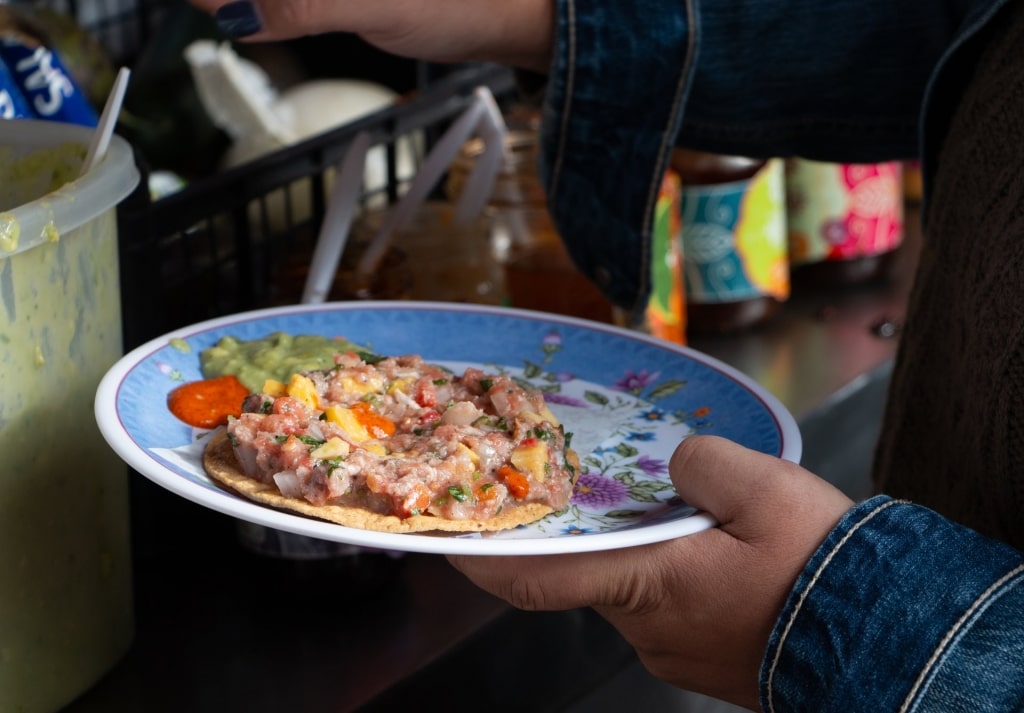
(414, 502)
(286, 405)
(518, 484)
(372, 421)
(485, 491)
(426, 394)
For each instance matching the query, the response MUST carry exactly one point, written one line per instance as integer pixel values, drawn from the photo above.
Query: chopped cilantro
(440, 382)
(486, 384)
(458, 493)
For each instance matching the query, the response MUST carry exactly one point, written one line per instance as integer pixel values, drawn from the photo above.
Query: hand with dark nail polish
(519, 33)
(238, 19)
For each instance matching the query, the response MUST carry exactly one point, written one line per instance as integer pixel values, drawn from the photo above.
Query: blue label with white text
(12, 101)
(45, 84)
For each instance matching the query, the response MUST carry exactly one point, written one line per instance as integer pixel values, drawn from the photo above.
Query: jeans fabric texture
(839, 81)
(900, 610)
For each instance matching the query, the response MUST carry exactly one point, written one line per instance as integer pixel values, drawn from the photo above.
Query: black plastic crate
(241, 239)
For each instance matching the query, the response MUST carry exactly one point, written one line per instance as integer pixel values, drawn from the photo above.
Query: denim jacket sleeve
(842, 80)
(900, 610)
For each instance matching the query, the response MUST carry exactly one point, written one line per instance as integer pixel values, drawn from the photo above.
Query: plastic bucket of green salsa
(66, 599)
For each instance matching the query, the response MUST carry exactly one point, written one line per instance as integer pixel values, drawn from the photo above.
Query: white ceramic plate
(627, 398)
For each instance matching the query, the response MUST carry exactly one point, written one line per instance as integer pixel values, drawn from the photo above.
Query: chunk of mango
(532, 459)
(466, 450)
(333, 448)
(349, 422)
(302, 388)
(401, 385)
(362, 386)
(275, 388)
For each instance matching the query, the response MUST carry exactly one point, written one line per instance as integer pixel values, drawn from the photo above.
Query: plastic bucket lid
(75, 203)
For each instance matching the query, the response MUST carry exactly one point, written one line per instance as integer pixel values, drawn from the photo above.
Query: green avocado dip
(276, 356)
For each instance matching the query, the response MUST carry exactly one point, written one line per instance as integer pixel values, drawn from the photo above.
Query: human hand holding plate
(698, 609)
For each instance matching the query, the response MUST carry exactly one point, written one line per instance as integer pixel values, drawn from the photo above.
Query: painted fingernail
(238, 19)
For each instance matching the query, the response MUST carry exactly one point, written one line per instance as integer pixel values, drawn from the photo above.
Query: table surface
(221, 629)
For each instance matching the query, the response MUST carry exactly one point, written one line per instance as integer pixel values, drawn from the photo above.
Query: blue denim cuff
(613, 107)
(897, 610)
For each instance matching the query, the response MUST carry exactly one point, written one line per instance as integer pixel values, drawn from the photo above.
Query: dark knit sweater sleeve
(953, 435)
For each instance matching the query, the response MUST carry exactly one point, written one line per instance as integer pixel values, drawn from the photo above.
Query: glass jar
(539, 274)
(736, 272)
(844, 221)
(913, 181)
(430, 258)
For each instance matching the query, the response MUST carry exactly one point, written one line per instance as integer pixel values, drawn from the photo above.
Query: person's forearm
(518, 33)
(523, 35)
(898, 589)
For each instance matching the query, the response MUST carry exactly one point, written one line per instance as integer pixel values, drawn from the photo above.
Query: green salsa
(276, 356)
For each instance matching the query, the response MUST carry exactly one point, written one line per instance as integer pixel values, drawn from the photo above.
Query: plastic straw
(442, 155)
(479, 184)
(330, 244)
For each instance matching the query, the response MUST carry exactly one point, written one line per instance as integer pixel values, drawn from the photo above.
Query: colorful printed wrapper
(45, 83)
(734, 239)
(666, 308)
(12, 102)
(842, 211)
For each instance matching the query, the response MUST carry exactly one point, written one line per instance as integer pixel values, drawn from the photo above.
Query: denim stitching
(954, 631)
(667, 140)
(817, 575)
(570, 76)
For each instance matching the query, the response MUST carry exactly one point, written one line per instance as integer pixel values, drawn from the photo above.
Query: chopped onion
(463, 413)
(406, 400)
(288, 483)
